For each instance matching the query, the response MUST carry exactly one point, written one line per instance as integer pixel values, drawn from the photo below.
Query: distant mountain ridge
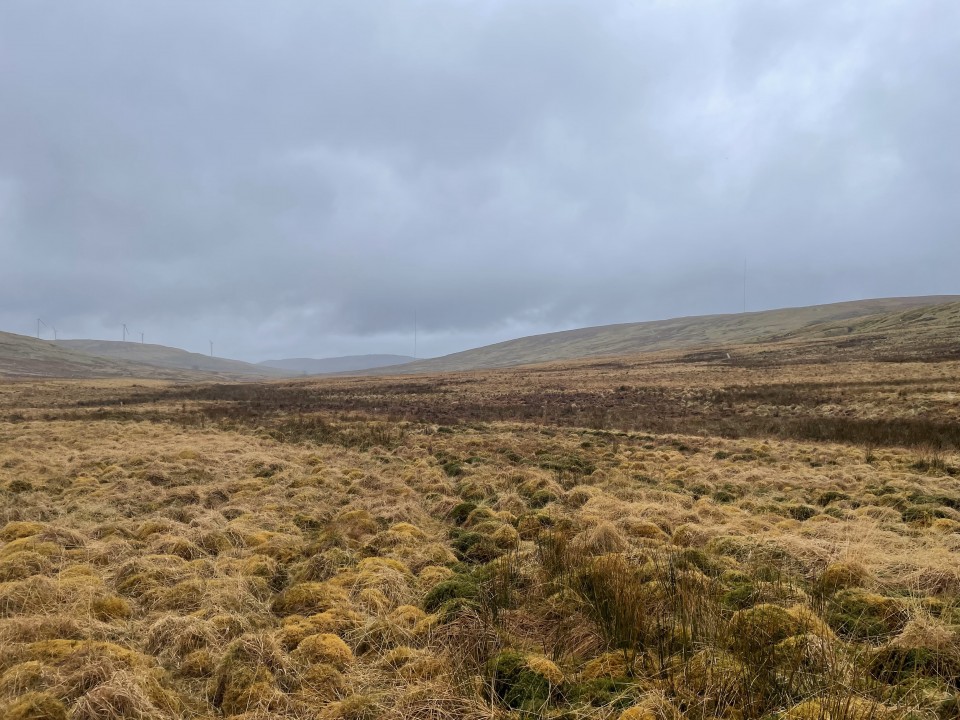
(344, 364)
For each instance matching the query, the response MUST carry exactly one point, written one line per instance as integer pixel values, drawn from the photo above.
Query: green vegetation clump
(860, 614)
(523, 682)
(760, 627)
(695, 558)
(461, 512)
(570, 466)
(452, 468)
(801, 512)
(742, 593)
(830, 496)
(459, 587)
(604, 692)
(895, 663)
(724, 496)
(475, 547)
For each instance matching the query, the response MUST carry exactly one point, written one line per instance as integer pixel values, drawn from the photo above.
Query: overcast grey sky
(296, 178)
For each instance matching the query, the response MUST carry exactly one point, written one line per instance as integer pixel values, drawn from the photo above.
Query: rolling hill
(27, 357)
(169, 358)
(789, 324)
(347, 363)
(22, 356)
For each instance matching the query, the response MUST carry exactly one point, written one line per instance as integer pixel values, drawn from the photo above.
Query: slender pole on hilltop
(744, 285)
(211, 348)
(54, 333)
(414, 334)
(141, 337)
(38, 328)
(125, 331)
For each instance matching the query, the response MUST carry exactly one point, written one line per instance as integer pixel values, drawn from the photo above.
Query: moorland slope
(169, 358)
(22, 356)
(26, 357)
(708, 331)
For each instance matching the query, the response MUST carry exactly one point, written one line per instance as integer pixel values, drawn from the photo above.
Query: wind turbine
(211, 348)
(39, 323)
(744, 285)
(141, 337)
(125, 331)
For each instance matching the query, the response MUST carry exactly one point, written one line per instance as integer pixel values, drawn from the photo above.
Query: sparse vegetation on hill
(27, 357)
(898, 327)
(169, 358)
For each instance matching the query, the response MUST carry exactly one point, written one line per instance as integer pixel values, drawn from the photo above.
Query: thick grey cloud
(296, 178)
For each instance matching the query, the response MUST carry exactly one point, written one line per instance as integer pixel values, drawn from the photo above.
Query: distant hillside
(161, 356)
(922, 332)
(22, 356)
(347, 363)
(676, 334)
(917, 328)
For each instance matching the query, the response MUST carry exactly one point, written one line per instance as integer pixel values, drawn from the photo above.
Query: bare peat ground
(773, 534)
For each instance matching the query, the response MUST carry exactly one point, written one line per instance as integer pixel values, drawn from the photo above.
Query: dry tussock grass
(201, 559)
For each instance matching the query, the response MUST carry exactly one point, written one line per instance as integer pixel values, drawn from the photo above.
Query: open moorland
(766, 532)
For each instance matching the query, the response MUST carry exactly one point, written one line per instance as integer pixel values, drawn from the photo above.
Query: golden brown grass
(184, 556)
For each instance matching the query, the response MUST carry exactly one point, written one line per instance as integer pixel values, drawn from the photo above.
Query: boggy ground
(650, 538)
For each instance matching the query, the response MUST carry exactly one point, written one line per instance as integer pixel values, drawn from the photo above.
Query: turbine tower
(744, 285)
(125, 331)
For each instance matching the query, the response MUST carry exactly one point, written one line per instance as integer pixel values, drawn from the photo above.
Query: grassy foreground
(649, 540)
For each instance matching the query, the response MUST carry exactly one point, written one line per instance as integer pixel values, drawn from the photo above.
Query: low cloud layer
(299, 178)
